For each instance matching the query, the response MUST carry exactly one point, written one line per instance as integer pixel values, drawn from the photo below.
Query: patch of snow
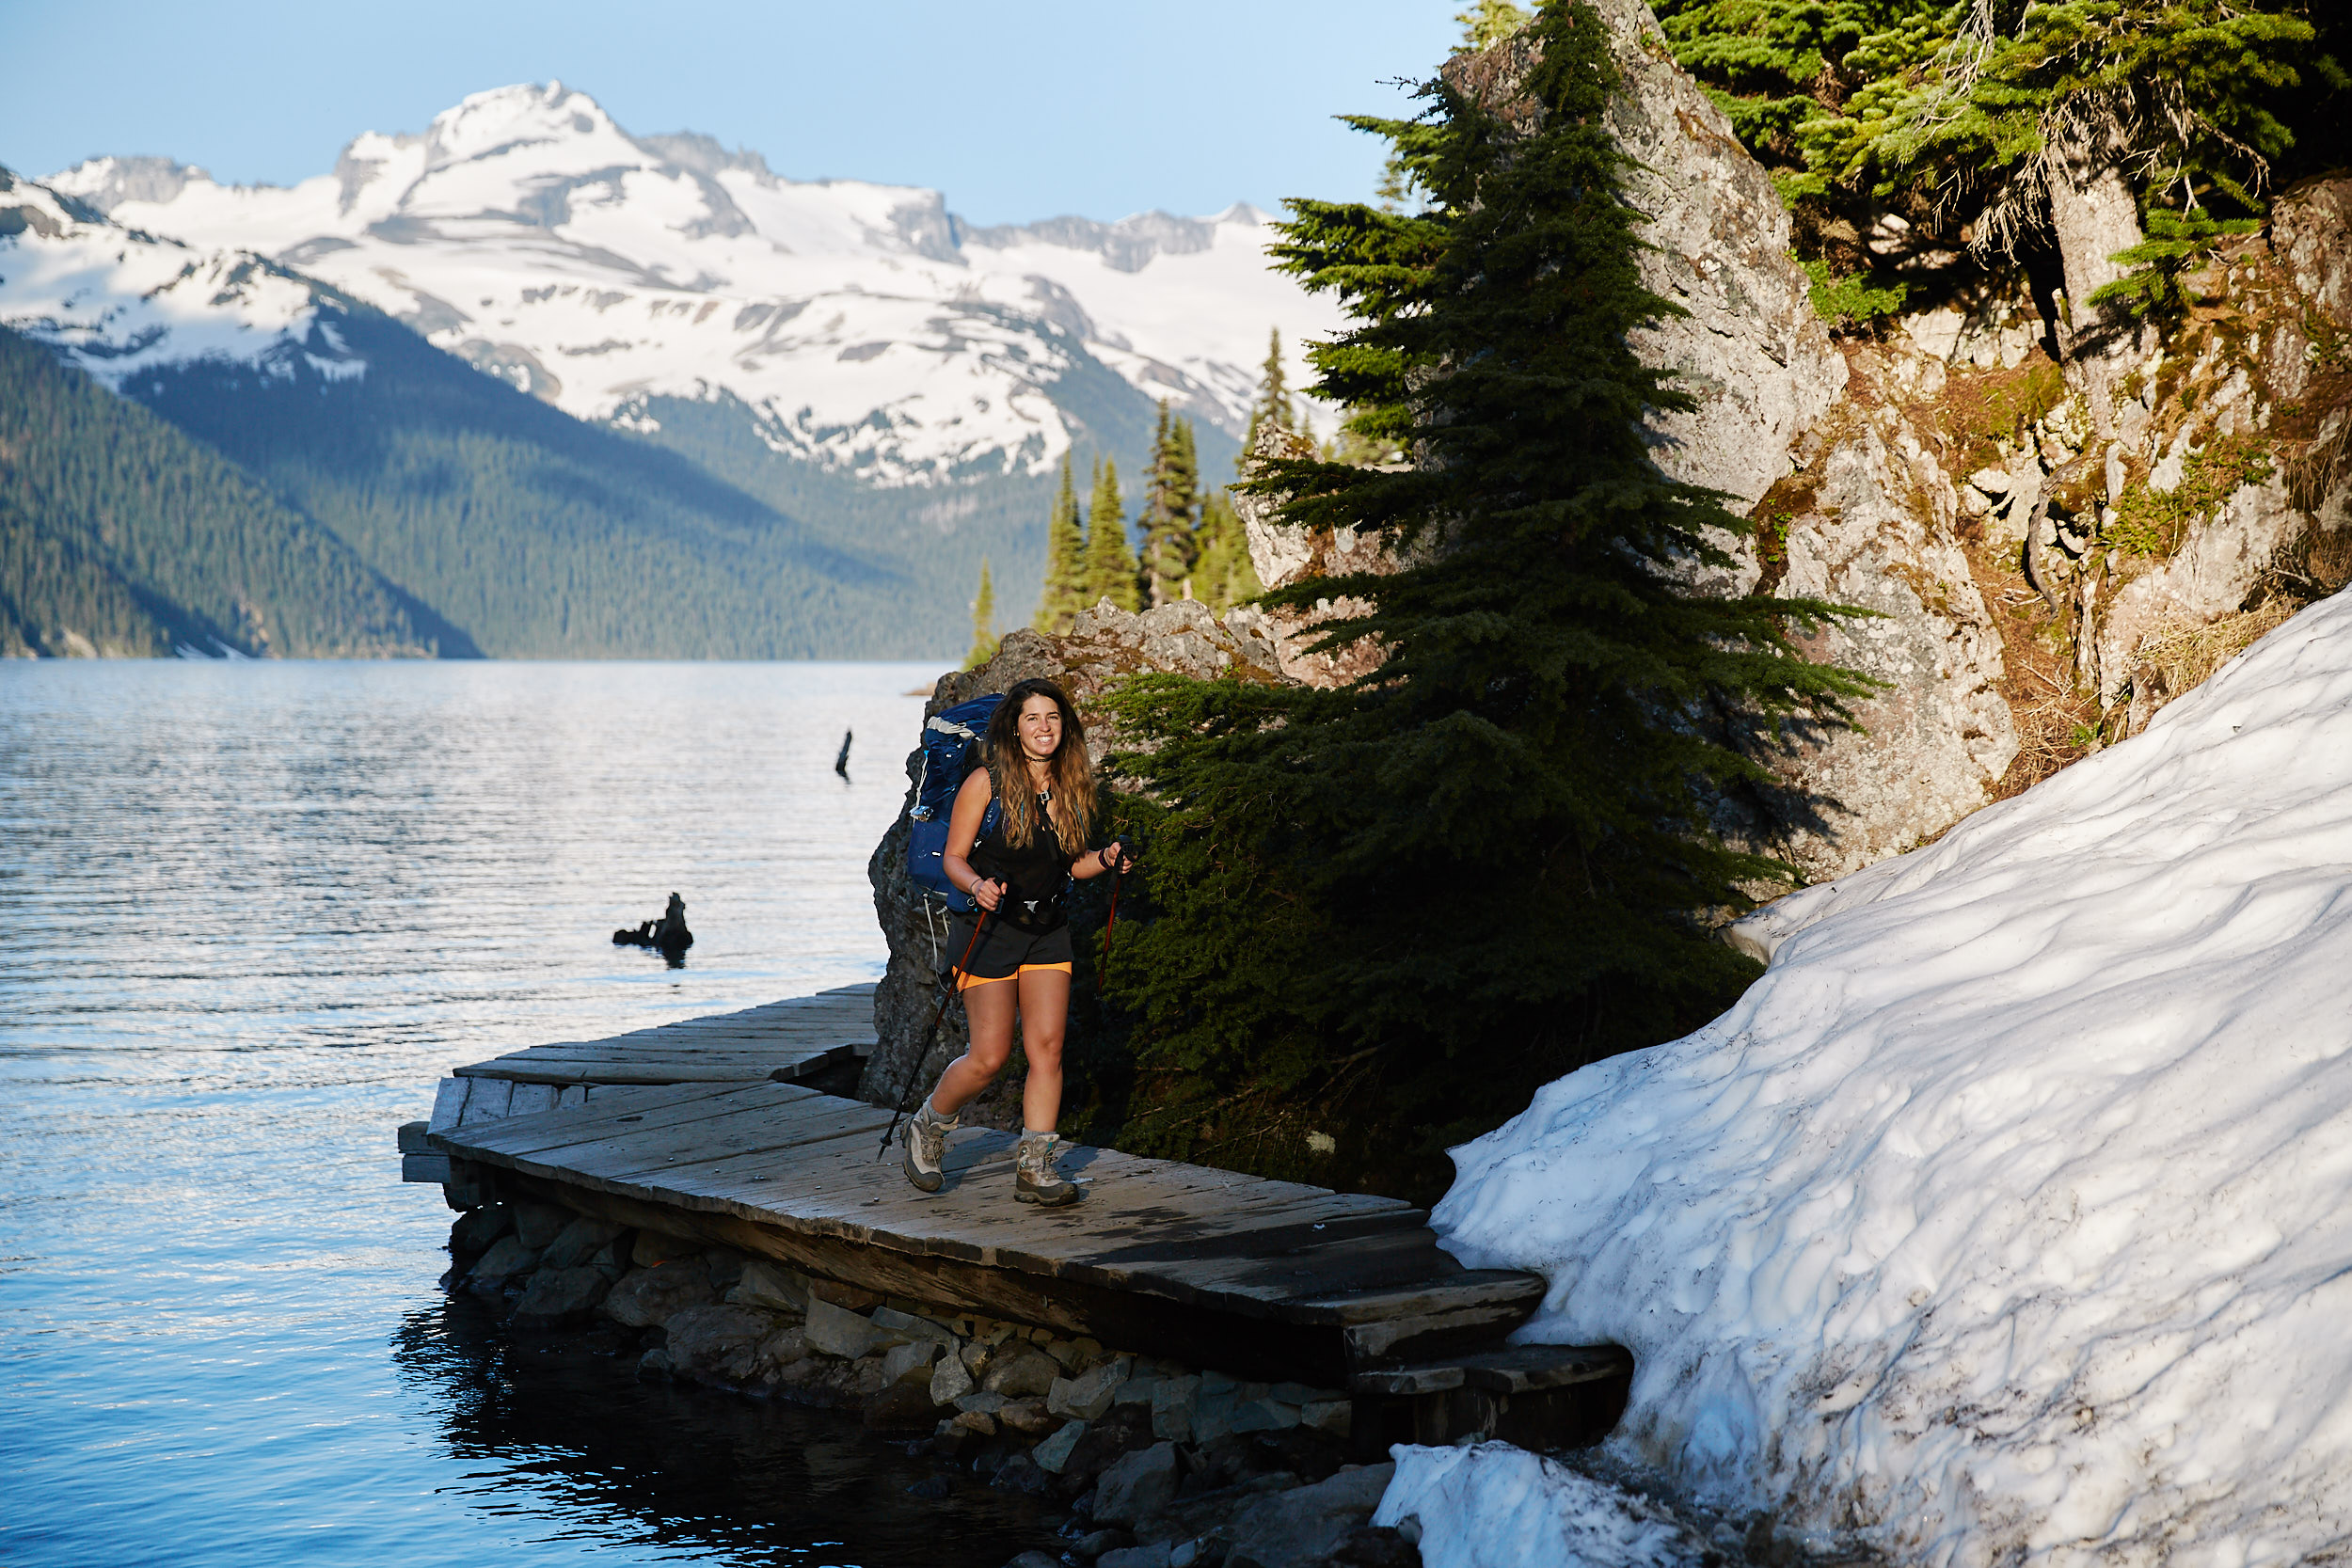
(1494, 1506)
(525, 229)
(120, 303)
(2008, 1217)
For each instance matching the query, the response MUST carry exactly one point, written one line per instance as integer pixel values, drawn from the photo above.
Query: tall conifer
(1273, 402)
(1064, 593)
(1398, 907)
(1170, 500)
(1110, 564)
(983, 622)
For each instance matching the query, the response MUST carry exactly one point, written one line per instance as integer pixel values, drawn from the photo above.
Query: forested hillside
(541, 536)
(120, 535)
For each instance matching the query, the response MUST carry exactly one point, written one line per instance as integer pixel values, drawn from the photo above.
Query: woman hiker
(1035, 762)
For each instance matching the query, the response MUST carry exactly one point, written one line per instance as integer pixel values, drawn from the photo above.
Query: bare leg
(989, 1006)
(1044, 1017)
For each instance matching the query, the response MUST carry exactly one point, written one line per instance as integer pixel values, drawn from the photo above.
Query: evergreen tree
(1172, 501)
(1222, 575)
(984, 637)
(1111, 573)
(1487, 22)
(1273, 402)
(1064, 593)
(1399, 906)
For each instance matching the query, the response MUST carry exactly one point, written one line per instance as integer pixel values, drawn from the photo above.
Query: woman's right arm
(963, 827)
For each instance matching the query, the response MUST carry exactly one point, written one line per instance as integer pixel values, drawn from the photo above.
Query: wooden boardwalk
(702, 1129)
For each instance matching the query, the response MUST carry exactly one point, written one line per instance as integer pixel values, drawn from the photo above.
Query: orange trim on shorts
(965, 982)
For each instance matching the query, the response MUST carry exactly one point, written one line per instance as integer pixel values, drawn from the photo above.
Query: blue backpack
(951, 748)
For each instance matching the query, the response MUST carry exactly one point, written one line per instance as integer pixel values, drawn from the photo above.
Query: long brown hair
(1070, 770)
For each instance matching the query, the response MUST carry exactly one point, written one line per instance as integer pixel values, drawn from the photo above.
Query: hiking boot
(1036, 1180)
(927, 1148)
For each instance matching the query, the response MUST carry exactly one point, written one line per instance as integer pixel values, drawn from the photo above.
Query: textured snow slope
(2008, 1216)
(124, 303)
(870, 331)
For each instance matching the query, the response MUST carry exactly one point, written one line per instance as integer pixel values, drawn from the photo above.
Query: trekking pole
(1102, 965)
(914, 1073)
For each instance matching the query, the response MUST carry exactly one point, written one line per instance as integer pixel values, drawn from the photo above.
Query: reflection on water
(253, 911)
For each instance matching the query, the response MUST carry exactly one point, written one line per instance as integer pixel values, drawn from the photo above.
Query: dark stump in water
(668, 936)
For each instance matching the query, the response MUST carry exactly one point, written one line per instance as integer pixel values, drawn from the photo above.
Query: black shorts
(1005, 951)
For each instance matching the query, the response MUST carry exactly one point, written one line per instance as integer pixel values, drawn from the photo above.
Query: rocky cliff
(2048, 550)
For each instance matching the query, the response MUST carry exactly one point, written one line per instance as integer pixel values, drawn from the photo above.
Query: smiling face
(1041, 726)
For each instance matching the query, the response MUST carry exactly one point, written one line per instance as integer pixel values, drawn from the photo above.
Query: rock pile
(1160, 1464)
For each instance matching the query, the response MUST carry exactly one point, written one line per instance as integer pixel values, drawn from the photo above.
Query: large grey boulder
(648, 1298)
(1300, 1528)
(718, 1342)
(1136, 1485)
(561, 1298)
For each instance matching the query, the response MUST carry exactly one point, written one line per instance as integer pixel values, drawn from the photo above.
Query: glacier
(2008, 1217)
(868, 329)
(121, 302)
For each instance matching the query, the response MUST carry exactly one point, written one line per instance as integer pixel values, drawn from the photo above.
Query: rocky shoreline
(1159, 1466)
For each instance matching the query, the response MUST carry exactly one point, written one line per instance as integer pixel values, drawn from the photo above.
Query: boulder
(1152, 1555)
(1028, 1418)
(1084, 1398)
(1020, 1371)
(784, 1347)
(653, 1248)
(950, 1380)
(1053, 1453)
(836, 1331)
(891, 1321)
(538, 1224)
(1300, 1528)
(476, 1228)
(579, 1242)
(912, 1361)
(559, 1298)
(648, 1298)
(770, 1287)
(1137, 1486)
(1172, 1402)
(717, 1341)
(508, 1256)
(900, 1407)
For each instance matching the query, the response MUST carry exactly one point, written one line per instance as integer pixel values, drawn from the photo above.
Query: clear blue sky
(1017, 111)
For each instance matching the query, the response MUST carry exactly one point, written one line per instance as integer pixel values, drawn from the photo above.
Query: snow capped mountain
(119, 302)
(868, 329)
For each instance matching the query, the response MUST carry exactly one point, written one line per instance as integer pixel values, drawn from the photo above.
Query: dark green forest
(121, 535)
(539, 536)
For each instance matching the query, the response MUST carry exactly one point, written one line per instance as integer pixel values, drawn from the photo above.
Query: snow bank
(1495, 1506)
(2008, 1216)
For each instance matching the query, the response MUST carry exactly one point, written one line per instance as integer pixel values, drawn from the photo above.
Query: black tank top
(1037, 872)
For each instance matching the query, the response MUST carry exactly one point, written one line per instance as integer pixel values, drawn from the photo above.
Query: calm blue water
(251, 913)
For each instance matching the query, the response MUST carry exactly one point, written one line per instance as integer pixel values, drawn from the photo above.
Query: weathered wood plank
(448, 1099)
(487, 1101)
